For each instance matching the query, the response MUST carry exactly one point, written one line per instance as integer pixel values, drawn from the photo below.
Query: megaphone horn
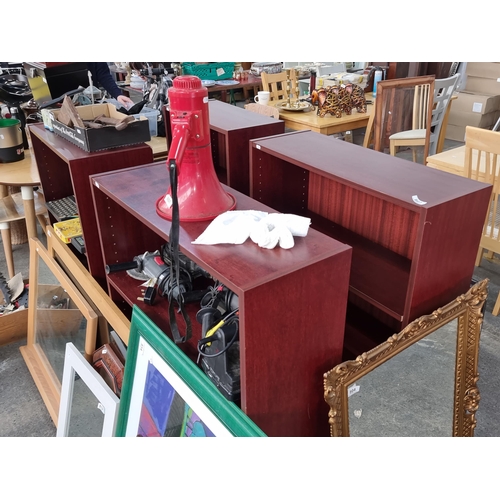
(199, 193)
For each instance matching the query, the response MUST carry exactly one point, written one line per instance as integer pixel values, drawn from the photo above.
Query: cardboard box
(473, 119)
(107, 137)
(457, 132)
(472, 102)
(482, 85)
(150, 113)
(483, 69)
(13, 326)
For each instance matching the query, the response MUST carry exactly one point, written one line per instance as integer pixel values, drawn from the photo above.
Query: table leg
(7, 247)
(29, 210)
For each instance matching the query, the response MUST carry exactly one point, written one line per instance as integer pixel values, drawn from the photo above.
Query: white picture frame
(108, 401)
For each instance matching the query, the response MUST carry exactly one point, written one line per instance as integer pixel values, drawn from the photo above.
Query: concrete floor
(23, 413)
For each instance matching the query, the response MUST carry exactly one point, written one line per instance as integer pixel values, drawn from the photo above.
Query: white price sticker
(417, 200)
(353, 389)
(477, 107)
(168, 201)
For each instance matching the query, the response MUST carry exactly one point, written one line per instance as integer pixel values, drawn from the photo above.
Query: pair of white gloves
(264, 229)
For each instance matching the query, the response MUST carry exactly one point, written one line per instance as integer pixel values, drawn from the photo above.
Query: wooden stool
(12, 210)
(18, 231)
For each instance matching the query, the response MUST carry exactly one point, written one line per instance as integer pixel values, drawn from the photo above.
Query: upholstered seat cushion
(409, 134)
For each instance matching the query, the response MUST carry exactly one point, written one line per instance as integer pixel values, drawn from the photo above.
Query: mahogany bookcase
(414, 231)
(292, 303)
(64, 170)
(231, 127)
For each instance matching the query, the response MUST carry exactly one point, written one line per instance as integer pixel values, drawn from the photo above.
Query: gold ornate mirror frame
(468, 310)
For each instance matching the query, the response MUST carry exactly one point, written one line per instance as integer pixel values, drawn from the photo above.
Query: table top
(20, 173)
(159, 146)
(453, 161)
(311, 120)
(225, 117)
(450, 160)
(251, 81)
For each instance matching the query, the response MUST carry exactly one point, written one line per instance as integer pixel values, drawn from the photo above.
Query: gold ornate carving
(467, 309)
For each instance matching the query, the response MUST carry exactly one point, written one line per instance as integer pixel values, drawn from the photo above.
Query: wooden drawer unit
(414, 230)
(292, 303)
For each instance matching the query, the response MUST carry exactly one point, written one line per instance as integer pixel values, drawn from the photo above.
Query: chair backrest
(482, 162)
(443, 91)
(482, 154)
(394, 104)
(280, 85)
(261, 109)
(421, 101)
(368, 139)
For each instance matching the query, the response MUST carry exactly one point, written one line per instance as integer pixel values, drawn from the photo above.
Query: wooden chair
(443, 91)
(263, 110)
(281, 85)
(12, 209)
(486, 145)
(392, 113)
(416, 136)
(368, 139)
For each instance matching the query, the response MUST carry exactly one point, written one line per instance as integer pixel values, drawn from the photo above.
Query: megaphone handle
(180, 137)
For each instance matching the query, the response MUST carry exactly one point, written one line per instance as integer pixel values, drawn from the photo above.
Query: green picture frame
(165, 394)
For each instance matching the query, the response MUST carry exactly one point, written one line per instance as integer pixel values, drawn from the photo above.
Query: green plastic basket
(212, 71)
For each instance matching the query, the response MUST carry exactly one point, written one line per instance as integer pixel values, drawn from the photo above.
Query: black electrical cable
(173, 241)
(230, 319)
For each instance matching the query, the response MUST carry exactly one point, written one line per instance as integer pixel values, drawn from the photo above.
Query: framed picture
(89, 408)
(165, 394)
(110, 317)
(57, 314)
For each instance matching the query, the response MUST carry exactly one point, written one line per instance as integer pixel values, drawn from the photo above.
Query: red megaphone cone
(199, 193)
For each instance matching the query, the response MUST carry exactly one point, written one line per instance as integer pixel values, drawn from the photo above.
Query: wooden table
(328, 125)
(453, 161)
(159, 146)
(23, 174)
(251, 82)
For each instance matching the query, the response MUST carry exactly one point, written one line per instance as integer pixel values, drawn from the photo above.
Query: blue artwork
(165, 413)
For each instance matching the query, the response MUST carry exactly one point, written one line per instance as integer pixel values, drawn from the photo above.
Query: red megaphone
(199, 193)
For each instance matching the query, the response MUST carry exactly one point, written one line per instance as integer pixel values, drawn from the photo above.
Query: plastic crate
(212, 71)
(149, 113)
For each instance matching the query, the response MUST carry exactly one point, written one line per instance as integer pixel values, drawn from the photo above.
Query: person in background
(101, 75)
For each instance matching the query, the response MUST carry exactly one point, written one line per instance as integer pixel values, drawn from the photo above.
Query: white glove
(266, 230)
(268, 236)
(233, 227)
(296, 224)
